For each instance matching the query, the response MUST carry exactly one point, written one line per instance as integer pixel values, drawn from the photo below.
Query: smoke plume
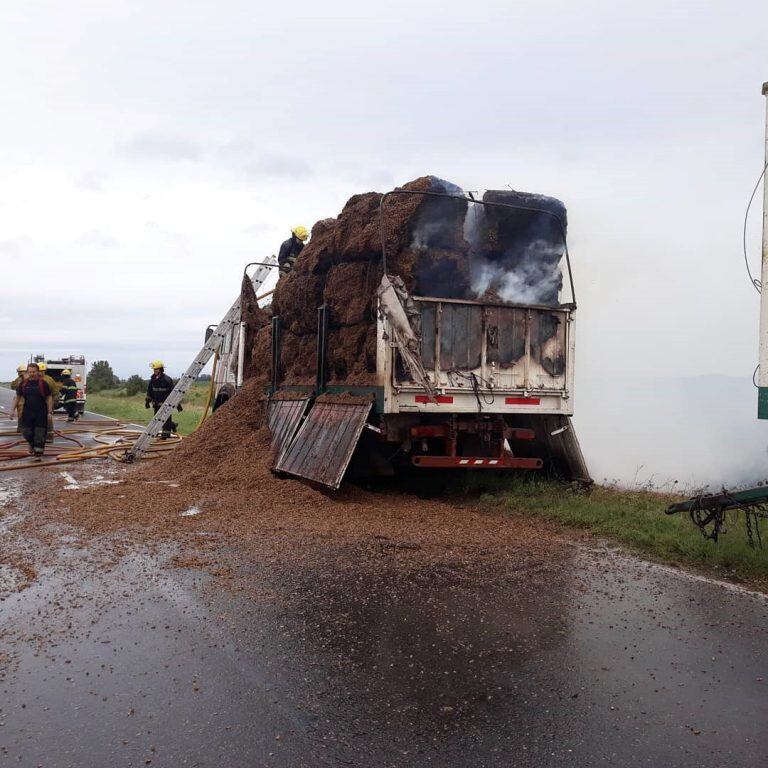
(509, 250)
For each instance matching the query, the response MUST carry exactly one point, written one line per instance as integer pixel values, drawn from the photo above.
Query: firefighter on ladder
(159, 387)
(291, 248)
(69, 394)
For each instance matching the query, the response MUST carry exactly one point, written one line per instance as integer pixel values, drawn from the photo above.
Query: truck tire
(223, 395)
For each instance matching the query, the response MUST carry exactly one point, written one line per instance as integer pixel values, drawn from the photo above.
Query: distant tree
(101, 376)
(134, 385)
(204, 377)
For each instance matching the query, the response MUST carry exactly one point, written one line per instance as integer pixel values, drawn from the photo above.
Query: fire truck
(75, 364)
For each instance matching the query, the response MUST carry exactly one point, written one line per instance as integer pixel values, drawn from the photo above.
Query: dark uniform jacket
(289, 250)
(68, 390)
(34, 392)
(159, 388)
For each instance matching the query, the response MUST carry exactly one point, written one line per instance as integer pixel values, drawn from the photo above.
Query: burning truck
(425, 328)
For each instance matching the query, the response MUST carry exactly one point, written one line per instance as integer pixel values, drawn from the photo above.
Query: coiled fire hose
(112, 438)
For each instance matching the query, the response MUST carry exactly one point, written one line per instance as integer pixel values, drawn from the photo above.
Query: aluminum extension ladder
(203, 356)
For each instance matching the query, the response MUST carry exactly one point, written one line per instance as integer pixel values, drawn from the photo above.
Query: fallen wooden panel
(325, 442)
(284, 417)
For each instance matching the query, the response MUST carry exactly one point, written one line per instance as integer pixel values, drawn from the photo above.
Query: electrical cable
(757, 284)
(474, 381)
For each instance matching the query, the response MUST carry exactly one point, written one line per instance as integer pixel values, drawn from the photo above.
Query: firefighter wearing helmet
(291, 248)
(159, 387)
(69, 394)
(55, 387)
(21, 370)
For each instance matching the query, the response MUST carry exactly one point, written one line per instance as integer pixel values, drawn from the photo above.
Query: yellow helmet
(155, 364)
(66, 372)
(42, 367)
(21, 368)
(301, 233)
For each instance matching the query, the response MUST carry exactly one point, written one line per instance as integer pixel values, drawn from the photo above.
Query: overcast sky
(150, 149)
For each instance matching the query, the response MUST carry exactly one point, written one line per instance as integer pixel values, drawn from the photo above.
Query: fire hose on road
(111, 438)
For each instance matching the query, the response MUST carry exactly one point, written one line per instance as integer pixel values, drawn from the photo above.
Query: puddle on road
(9, 492)
(9, 579)
(73, 484)
(435, 643)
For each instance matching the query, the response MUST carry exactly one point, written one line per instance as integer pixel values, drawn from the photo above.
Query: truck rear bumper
(476, 462)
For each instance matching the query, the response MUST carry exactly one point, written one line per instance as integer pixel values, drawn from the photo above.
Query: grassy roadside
(634, 519)
(115, 403)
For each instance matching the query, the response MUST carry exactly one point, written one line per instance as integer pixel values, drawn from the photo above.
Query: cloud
(159, 147)
(92, 181)
(95, 238)
(279, 165)
(15, 246)
(245, 157)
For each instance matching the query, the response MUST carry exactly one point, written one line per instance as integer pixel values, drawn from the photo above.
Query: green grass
(635, 519)
(115, 403)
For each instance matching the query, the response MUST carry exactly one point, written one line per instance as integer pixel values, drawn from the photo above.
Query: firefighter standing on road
(37, 408)
(291, 248)
(21, 371)
(69, 394)
(54, 387)
(159, 387)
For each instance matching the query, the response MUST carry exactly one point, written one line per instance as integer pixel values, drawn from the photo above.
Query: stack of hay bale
(428, 243)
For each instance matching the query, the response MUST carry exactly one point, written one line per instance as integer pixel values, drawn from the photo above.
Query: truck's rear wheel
(226, 392)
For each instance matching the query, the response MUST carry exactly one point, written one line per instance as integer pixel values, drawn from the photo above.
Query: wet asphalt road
(616, 662)
(611, 662)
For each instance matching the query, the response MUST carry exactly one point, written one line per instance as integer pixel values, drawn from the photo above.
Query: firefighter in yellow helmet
(159, 387)
(69, 394)
(15, 384)
(20, 371)
(291, 248)
(55, 387)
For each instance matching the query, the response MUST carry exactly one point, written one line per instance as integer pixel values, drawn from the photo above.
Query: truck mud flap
(323, 447)
(556, 443)
(284, 418)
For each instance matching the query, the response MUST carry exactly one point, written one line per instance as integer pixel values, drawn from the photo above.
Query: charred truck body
(434, 330)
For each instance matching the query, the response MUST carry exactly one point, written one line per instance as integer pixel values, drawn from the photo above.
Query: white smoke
(525, 270)
(531, 277)
(427, 233)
